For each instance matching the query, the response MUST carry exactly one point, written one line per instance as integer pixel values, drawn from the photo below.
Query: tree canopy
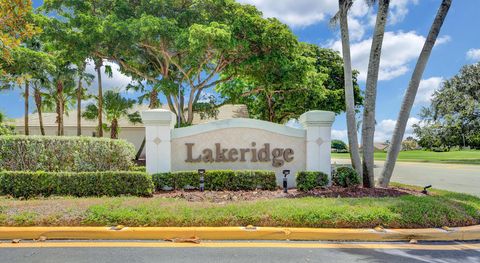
(284, 87)
(453, 118)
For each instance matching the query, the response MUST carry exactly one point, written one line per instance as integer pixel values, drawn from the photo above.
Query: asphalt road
(454, 177)
(141, 251)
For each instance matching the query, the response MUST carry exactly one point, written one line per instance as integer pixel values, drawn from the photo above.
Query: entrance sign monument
(238, 144)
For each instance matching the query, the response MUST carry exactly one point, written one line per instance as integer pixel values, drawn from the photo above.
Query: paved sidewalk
(454, 177)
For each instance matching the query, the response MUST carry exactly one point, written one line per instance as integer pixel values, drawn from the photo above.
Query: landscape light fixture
(424, 191)
(285, 182)
(201, 172)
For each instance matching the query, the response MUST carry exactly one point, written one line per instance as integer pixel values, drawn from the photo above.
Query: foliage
(110, 183)
(285, 86)
(76, 154)
(409, 144)
(442, 208)
(309, 180)
(115, 107)
(339, 146)
(345, 177)
(6, 129)
(453, 118)
(178, 45)
(15, 26)
(138, 169)
(216, 180)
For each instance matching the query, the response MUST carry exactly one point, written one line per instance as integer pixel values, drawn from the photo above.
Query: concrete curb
(239, 233)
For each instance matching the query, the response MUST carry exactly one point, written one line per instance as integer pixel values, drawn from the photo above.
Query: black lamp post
(285, 181)
(201, 172)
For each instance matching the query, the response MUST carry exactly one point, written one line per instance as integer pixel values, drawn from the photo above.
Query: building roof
(228, 111)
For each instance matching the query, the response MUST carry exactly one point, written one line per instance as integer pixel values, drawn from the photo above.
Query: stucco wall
(239, 138)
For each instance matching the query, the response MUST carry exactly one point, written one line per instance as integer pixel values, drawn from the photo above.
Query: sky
(408, 24)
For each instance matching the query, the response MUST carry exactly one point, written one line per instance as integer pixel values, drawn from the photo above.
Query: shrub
(112, 183)
(345, 177)
(56, 153)
(216, 180)
(138, 169)
(308, 180)
(6, 129)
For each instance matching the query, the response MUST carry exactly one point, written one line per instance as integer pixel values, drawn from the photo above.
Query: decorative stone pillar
(318, 126)
(158, 129)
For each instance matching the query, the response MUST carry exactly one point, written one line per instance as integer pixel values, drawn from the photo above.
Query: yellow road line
(475, 246)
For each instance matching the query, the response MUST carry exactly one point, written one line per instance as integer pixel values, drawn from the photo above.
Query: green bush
(345, 177)
(64, 154)
(216, 180)
(308, 180)
(111, 183)
(138, 169)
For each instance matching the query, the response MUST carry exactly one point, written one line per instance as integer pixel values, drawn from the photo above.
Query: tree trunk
(79, 101)
(60, 110)
(409, 97)
(98, 66)
(114, 129)
(368, 123)
(190, 107)
(38, 102)
(349, 99)
(27, 96)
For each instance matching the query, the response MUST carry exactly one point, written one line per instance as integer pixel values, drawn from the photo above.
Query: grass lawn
(441, 209)
(462, 157)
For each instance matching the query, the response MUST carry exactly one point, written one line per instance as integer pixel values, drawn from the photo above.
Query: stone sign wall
(238, 144)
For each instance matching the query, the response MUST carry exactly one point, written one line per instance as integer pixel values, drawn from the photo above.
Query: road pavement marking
(403, 246)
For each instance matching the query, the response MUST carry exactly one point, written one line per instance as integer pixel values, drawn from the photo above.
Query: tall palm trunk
(60, 110)
(114, 129)
(38, 103)
(349, 99)
(98, 66)
(79, 100)
(409, 97)
(368, 123)
(27, 96)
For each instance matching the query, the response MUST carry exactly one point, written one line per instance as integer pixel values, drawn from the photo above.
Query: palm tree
(409, 97)
(368, 123)
(115, 107)
(344, 6)
(82, 76)
(98, 66)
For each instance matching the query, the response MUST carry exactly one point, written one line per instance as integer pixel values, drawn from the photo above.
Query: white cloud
(117, 82)
(296, 12)
(384, 129)
(340, 135)
(399, 10)
(427, 88)
(473, 54)
(399, 49)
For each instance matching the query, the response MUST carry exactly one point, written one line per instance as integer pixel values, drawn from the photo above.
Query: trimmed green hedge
(138, 169)
(112, 183)
(59, 154)
(345, 177)
(308, 180)
(216, 180)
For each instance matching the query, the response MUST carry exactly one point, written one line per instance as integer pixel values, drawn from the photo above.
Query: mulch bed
(331, 192)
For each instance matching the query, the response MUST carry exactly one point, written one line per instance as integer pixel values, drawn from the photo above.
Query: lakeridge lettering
(277, 156)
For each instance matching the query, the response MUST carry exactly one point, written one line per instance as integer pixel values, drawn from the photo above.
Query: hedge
(64, 154)
(216, 180)
(345, 177)
(112, 183)
(308, 180)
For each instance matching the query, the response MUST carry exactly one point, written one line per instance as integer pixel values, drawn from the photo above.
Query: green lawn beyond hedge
(462, 157)
(442, 209)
